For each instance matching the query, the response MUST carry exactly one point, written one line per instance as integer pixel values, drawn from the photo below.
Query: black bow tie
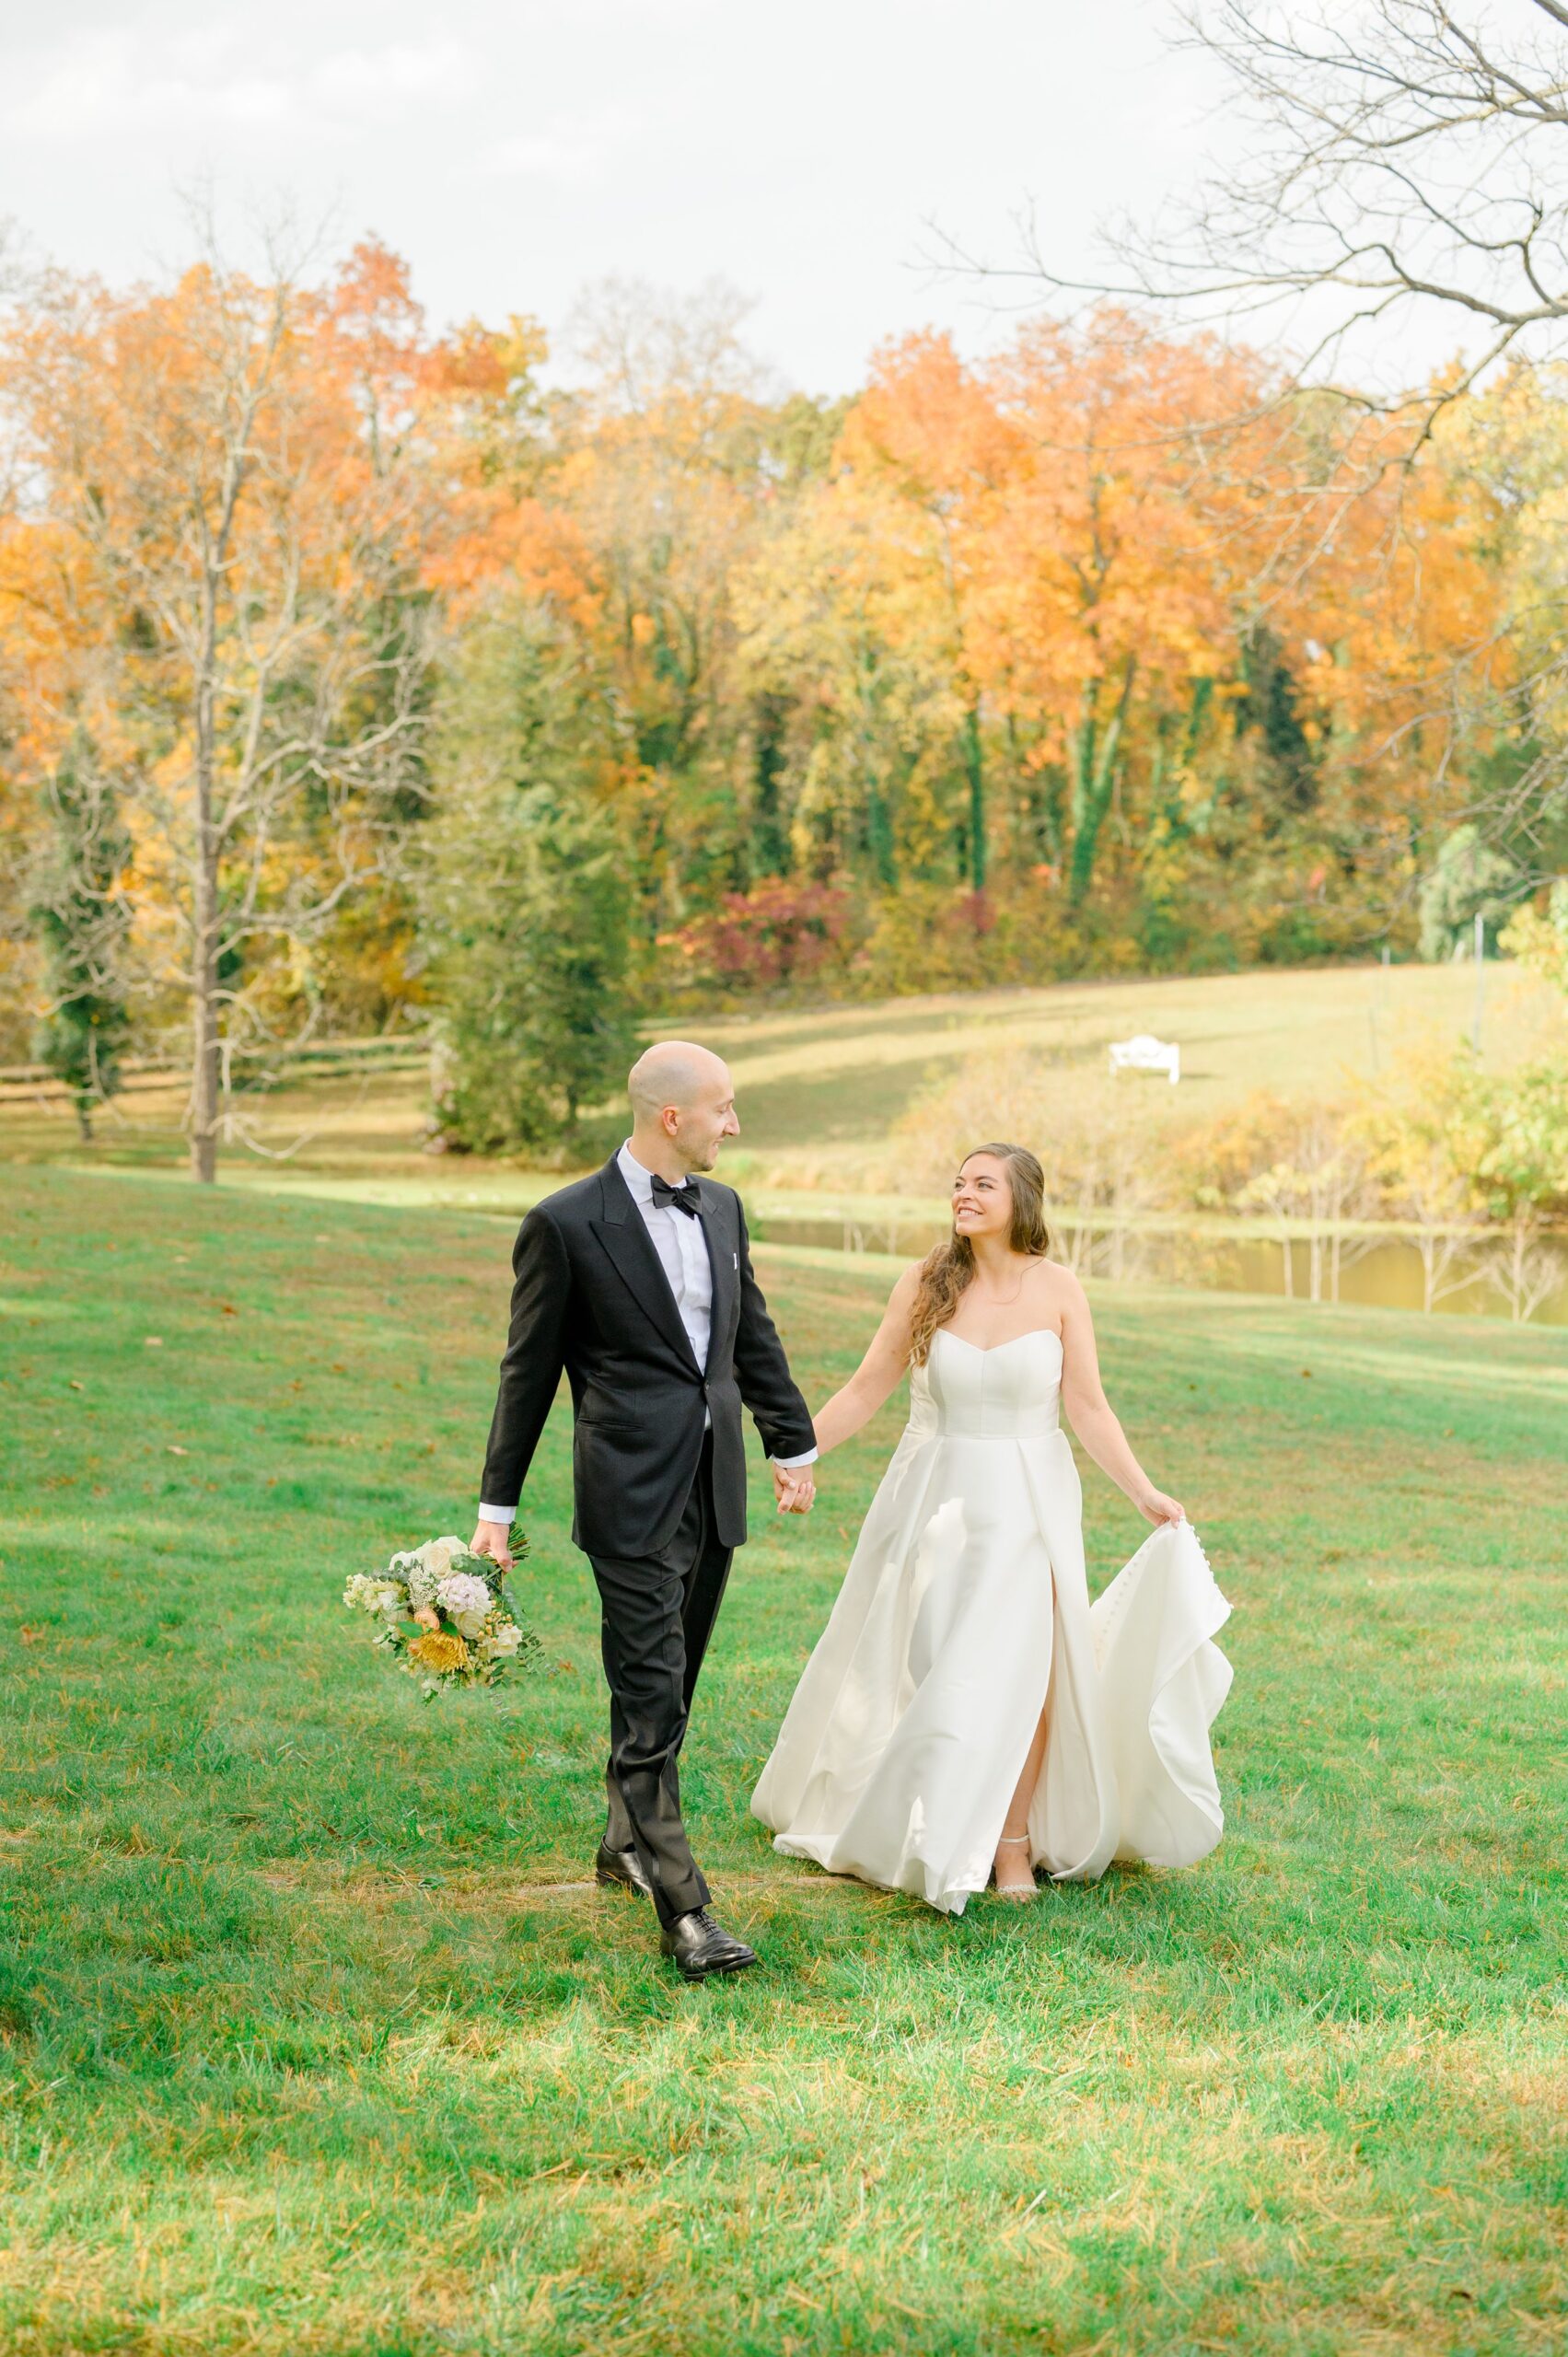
(683, 1198)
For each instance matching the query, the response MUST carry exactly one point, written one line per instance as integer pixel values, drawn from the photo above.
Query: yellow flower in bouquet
(438, 1650)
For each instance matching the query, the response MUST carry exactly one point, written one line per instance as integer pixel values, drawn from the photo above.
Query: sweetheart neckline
(985, 1350)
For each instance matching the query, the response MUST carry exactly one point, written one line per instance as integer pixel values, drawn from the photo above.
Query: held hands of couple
(794, 1488)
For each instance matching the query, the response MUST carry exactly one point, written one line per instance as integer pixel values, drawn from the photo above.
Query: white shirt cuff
(788, 1462)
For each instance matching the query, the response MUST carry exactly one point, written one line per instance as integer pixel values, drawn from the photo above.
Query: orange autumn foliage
(1111, 648)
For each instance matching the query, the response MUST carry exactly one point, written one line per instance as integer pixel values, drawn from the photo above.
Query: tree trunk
(974, 764)
(878, 817)
(770, 838)
(206, 1044)
(207, 1048)
(1094, 779)
(879, 836)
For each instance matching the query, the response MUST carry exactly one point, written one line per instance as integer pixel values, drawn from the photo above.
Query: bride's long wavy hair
(947, 1270)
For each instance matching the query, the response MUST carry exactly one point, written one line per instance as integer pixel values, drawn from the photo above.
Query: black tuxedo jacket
(590, 1296)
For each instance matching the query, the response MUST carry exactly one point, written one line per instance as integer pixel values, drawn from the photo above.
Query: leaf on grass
(175, 1450)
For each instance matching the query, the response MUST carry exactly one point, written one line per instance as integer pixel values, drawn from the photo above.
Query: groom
(637, 1282)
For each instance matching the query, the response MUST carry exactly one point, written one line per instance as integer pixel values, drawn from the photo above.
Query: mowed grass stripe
(313, 2044)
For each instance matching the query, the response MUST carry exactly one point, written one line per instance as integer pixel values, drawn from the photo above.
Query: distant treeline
(348, 674)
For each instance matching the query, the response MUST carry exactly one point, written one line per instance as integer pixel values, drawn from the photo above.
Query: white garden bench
(1146, 1053)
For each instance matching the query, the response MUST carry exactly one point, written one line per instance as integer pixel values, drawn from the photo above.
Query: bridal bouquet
(478, 1636)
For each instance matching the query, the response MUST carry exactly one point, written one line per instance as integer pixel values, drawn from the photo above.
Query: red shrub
(778, 933)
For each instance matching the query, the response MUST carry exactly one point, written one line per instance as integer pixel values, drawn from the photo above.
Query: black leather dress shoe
(622, 1866)
(701, 1946)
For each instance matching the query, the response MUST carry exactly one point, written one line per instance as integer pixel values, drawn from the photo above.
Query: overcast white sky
(515, 151)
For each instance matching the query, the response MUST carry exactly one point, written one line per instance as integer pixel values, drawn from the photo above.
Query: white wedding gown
(966, 1606)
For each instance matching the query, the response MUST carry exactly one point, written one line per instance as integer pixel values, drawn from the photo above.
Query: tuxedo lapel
(630, 1248)
(723, 1253)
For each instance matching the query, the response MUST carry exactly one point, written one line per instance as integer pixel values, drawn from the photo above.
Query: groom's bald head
(682, 1101)
(672, 1071)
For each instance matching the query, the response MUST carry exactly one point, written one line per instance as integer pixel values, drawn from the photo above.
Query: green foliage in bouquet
(478, 1636)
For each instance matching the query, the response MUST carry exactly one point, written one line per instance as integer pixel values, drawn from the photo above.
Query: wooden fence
(319, 1060)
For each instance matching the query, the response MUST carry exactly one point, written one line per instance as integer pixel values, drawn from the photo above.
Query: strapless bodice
(1010, 1392)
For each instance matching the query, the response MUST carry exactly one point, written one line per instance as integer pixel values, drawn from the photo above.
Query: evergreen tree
(527, 904)
(81, 920)
(1467, 879)
(1269, 704)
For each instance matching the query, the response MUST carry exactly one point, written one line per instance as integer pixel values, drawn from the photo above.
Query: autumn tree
(216, 539)
(654, 478)
(845, 642)
(934, 437)
(1050, 606)
(1390, 175)
(1116, 603)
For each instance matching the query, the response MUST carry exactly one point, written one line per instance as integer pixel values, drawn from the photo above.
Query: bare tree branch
(1397, 158)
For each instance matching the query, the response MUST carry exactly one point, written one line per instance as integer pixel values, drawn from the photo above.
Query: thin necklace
(1005, 1301)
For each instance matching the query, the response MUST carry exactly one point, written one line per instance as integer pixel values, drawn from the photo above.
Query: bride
(967, 1714)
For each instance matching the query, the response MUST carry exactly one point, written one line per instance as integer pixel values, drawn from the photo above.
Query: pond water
(1378, 1271)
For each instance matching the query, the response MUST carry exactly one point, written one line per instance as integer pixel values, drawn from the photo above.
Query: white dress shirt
(682, 1251)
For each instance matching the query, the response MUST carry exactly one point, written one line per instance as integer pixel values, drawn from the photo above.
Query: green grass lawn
(316, 2040)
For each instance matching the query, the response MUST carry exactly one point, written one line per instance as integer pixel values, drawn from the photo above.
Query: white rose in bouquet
(438, 1555)
(502, 1644)
(369, 1592)
(468, 1598)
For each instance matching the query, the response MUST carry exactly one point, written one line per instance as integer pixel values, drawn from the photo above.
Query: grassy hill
(317, 2043)
(818, 1090)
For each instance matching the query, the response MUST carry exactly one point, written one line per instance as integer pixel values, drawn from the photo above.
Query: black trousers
(657, 1614)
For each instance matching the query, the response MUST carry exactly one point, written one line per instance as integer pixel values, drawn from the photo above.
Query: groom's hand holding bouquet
(493, 1539)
